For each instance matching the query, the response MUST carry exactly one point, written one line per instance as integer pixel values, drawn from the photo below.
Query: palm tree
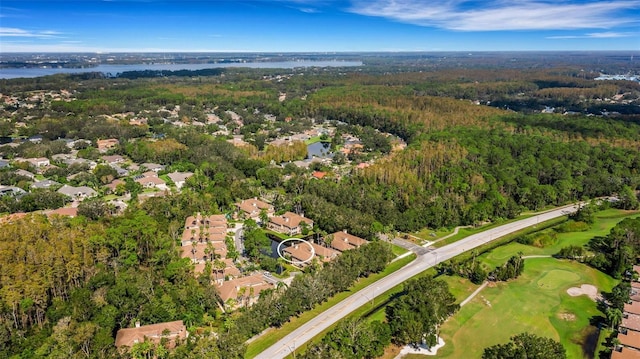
(615, 342)
(328, 240)
(614, 316)
(241, 292)
(281, 286)
(264, 218)
(219, 266)
(280, 261)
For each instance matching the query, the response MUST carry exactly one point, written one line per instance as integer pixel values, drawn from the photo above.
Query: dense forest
(478, 149)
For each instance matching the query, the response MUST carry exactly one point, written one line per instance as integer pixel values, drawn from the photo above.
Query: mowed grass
(604, 221)
(536, 302)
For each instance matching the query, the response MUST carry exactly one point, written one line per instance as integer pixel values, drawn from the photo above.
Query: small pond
(319, 149)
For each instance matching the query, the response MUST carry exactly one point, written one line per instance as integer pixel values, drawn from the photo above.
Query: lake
(112, 70)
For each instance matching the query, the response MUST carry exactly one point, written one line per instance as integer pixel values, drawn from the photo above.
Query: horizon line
(304, 52)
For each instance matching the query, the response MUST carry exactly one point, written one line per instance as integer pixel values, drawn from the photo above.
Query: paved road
(287, 345)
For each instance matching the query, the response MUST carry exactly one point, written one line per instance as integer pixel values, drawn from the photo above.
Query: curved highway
(287, 345)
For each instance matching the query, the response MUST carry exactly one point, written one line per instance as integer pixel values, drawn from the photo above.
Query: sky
(317, 25)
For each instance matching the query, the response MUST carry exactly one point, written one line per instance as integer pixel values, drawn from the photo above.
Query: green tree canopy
(526, 345)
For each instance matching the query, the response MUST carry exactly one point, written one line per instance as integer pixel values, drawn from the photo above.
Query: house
(44, 184)
(289, 223)
(39, 162)
(152, 182)
(170, 331)
(113, 160)
(630, 322)
(81, 192)
(119, 170)
(152, 167)
(343, 241)
(80, 162)
(35, 139)
(179, 178)
(25, 173)
(201, 252)
(106, 145)
(629, 339)
(212, 221)
(72, 144)
(302, 253)
(61, 157)
(625, 353)
(243, 291)
(318, 174)
(633, 307)
(228, 272)
(114, 184)
(204, 235)
(251, 208)
(11, 191)
(64, 211)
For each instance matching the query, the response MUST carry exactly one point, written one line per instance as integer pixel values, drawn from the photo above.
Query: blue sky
(318, 26)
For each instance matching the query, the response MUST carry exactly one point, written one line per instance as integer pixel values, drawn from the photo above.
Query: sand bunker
(570, 317)
(585, 289)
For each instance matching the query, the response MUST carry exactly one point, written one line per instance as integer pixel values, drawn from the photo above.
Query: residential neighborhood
(355, 205)
(629, 328)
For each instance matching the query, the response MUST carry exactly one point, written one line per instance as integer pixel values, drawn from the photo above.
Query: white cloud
(495, 15)
(15, 32)
(609, 34)
(308, 10)
(596, 35)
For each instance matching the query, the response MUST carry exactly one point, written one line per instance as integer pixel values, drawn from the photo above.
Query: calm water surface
(112, 70)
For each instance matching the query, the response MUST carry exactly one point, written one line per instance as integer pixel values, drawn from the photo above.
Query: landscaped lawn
(605, 220)
(536, 302)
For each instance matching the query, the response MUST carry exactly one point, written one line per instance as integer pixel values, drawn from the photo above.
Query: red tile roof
(630, 339)
(290, 220)
(625, 353)
(253, 206)
(229, 270)
(231, 289)
(198, 251)
(319, 174)
(633, 307)
(300, 252)
(65, 211)
(154, 332)
(631, 321)
(343, 241)
(212, 221)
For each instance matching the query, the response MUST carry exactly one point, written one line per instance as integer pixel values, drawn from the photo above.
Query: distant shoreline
(113, 70)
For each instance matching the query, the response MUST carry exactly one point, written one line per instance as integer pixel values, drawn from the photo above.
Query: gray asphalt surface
(287, 345)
